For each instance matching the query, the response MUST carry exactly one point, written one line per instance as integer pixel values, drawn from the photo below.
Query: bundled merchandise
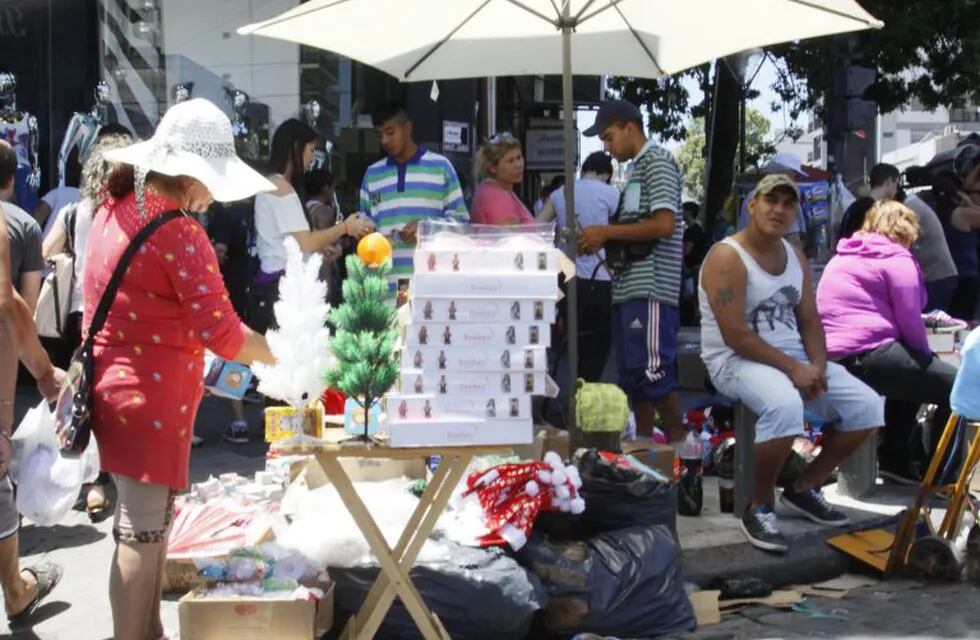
(512, 495)
(474, 348)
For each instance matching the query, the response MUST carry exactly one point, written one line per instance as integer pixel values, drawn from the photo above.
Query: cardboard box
(514, 334)
(941, 342)
(460, 433)
(413, 408)
(475, 359)
(481, 309)
(540, 286)
(285, 422)
(255, 618)
(227, 379)
(487, 259)
(417, 382)
(653, 454)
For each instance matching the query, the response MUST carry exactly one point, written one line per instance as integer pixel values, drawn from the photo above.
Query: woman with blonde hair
(870, 299)
(499, 166)
(148, 353)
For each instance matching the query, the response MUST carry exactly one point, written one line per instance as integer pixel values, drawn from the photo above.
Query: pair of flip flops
(48, 576)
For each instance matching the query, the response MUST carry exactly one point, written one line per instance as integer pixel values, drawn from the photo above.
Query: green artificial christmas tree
(364, 338)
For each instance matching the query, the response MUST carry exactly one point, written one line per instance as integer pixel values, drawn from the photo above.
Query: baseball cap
(775, 181)
(613, 111)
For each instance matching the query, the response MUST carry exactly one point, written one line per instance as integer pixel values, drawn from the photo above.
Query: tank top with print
(770, 309)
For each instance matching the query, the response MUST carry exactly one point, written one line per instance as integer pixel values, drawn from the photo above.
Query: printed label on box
(522, 334)
(486, 260)
(482, 310)
(543, 286)
(466, 359)
(402, 408)
(460, 433)
(415, 381)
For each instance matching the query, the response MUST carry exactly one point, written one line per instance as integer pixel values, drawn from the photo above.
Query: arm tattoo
(724, 296)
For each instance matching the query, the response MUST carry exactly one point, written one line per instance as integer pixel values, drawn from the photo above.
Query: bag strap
(69, 222)
(109, 295)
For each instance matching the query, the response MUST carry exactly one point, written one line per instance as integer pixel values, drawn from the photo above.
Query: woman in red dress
(170, 307)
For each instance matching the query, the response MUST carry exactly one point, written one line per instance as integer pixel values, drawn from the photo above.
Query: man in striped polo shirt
(646, 291)
(409, 185)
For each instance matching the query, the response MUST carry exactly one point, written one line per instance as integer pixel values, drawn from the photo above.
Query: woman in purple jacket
(870, 299)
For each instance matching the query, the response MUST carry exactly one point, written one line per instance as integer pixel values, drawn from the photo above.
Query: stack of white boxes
(475, 350)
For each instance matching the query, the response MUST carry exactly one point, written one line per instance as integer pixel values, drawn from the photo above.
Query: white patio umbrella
(443, 39)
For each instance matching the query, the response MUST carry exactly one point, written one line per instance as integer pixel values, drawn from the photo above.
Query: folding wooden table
(395, 563)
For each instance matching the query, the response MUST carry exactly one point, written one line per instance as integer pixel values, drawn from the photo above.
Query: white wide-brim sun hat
(194, 139)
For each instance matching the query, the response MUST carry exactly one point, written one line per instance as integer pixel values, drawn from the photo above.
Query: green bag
(601, 407)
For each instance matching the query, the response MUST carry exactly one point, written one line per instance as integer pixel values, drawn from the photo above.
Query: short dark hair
(114, 128)
(389, 111)
(882, 172)
(8, 163)
(691, 206)
(317, 180)
(598, 162)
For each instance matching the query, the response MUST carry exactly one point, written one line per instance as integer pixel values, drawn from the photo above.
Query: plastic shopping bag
(47, 483)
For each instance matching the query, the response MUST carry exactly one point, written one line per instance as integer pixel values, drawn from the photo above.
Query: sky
(762, 83)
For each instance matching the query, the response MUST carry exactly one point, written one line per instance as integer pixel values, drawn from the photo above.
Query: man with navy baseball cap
(645, 290)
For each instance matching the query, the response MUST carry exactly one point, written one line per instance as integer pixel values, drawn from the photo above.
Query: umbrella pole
(571, 236)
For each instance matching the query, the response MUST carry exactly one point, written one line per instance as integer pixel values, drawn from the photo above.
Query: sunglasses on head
(501, 137)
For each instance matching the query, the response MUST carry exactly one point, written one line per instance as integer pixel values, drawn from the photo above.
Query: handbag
(54, 301)
(73, 408)
(620, 254)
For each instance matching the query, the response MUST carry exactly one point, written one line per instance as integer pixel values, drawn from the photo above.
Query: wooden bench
(856, 477)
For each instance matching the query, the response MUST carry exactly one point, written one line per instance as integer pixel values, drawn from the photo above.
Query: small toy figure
(452, 310)
(519, 262)
(419, 386)
(431, 262)
(447, 335)
(505, 359)
(511, 335)
(402, 409)
(533, 335)
(455, 262)
(442, 359)
(443, 385)
(505, 383)
(528, 383)
(491, 408)
(417, 360)
(427, 310)
(528, 359)
(542, 261)
(515, 408)
(423, 335)
(538, 310)
(427, 409)
(515, 310)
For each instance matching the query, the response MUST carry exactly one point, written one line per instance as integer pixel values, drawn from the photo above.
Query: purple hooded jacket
(871, 293)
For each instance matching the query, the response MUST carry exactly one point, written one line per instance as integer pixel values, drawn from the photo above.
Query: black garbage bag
(478, 594)
(624, 583)
(618, 497)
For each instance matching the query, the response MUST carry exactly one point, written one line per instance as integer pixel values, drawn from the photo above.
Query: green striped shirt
(653, 183)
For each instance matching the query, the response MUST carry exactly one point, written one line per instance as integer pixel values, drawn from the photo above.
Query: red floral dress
(171, 305)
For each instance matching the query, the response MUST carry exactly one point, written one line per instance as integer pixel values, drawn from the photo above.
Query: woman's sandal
(96, 503)
(47, 575)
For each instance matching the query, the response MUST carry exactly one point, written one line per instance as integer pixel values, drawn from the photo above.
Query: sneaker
(196, 441)
(811, 504)
(761, 527)
(237, 432)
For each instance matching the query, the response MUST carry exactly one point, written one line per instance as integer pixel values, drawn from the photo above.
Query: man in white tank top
(763, 344)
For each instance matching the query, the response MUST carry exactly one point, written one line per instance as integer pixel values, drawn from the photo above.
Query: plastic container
(691, 457)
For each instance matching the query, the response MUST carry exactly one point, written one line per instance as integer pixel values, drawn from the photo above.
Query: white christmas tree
(301, 344)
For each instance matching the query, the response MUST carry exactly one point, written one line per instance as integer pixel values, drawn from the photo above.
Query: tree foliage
(691, 155)
(364, 343)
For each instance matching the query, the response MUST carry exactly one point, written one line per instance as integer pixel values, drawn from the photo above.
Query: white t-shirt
(83, 224)
(56, 199)
(276, 216)
(595, 201)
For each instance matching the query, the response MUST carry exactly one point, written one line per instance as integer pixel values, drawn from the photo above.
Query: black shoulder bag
(622, 253)
(73, 409)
